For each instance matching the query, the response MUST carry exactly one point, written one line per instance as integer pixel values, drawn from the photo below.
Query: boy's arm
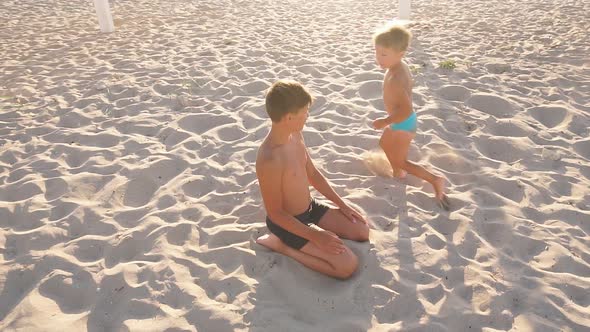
(270, 174)
(321, 184)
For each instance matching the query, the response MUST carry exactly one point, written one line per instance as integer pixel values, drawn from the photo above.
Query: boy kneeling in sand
(285, 171)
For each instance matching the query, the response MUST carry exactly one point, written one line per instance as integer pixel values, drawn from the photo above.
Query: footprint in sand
(73, 119)
(578, 295)
(481, 298)
(497, 233)
(171, 137)
(551, 116)
(527, 248)
(165, 202)
(452, 163)
(201, 123)
(61, 210)
(510, 189)
(491, 104)
(486, 198)
(368, 76)
(570, 265)
(454, 92)
(435, 242)
(448, 228)
(371, 90)
(138, 191)
(198, 187)
(145, 128)
(100, 140)
(498, 68)
(433, 295)
(310, 70)
(87, 250)
(231, 133)
(508, 128)
(486, 215)
(86, 222)
(126, 249)
(18, 175)
(76, 157)
(502, 149)
(179, 234)
(583, 148)
(255, 87)
(21, 219)
(19, 192)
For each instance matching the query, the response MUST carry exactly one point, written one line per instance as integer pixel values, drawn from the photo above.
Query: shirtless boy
(285, 170)
(400, 124)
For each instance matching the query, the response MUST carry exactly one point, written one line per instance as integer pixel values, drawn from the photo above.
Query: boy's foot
(272, 242)
(439, 190)
(400, 173)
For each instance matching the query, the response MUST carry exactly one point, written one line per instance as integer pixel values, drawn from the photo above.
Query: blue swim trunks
(409, 124)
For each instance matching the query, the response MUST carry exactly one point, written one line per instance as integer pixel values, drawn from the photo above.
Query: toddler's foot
(439, 190)
(400, 173)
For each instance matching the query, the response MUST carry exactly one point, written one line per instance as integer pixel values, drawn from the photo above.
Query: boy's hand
(353, 215)
(379, 124)
(328, 242)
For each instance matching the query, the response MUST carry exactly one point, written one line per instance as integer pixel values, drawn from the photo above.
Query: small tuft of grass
(108, 111)
(448, 64)
(190, 85)
(415, 69)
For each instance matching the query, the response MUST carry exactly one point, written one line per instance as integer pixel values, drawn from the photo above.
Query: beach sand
(129, 202)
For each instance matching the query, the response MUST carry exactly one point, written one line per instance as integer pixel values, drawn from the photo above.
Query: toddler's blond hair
(393, 36)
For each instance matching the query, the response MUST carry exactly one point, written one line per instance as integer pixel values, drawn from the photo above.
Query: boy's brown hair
(393, 36)
(285, 97)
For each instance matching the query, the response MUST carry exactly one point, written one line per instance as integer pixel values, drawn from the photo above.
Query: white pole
(103, 12)
(403, 9)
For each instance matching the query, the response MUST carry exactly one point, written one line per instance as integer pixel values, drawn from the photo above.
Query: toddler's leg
(394, 151)
(396, 145)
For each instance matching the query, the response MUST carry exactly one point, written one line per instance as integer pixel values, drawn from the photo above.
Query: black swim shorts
(314, 213)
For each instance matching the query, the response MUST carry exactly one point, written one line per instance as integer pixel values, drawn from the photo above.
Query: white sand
(128, 199)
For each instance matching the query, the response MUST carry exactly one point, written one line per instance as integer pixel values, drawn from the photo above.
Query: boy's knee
(347, 268)
(360, 233)
(363, 234)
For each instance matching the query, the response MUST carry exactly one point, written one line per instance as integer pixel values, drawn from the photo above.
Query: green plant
(190, 84)
(447, 64)
(414, 69)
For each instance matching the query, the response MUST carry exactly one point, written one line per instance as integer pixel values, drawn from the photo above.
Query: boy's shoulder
(277, 153)
(269, 155)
